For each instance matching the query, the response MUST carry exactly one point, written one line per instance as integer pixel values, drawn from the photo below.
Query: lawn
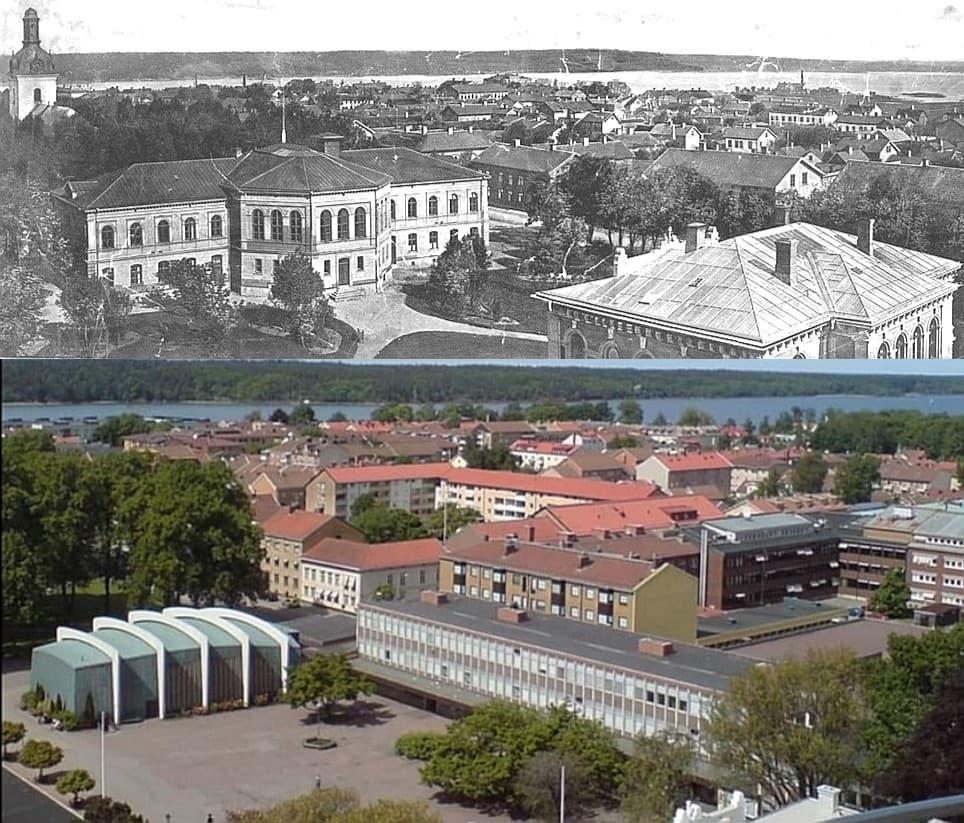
(437, 345)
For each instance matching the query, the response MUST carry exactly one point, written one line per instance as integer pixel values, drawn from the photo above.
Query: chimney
(865, 235)
(511, 543)
(433, 598)
(655, 648)
(471, 128)
(584, 560)
(507, 614)
(423, 128)
(551, 144)
(585, 141)
(850, 149)
(332, 144)
(238, 151)
(924, 162)
(695, 235)
(781, 215)
(517, 142)
(829, 797)
(786, 264)
(451, 129)
(531, 534)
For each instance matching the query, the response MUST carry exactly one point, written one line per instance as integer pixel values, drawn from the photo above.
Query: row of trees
(42, 754)
(168, 528)
(890, 725)
(940, 436)
(384, 524)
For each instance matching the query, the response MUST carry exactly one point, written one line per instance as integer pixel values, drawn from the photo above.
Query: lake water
(739, 408)
(950, 85)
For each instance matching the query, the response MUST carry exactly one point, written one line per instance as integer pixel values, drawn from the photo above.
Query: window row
(433, 240)
(136, 271)
(135, 232)
(275, 223)
(900, 347)
(411, 206)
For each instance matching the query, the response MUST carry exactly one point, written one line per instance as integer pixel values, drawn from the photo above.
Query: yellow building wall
(665, 605)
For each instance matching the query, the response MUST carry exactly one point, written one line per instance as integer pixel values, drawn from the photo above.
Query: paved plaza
(190, 767)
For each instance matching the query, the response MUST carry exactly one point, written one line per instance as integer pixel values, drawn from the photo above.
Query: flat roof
(127, 645)
(758, 522)
(174, 640)
(866, 638)
(707, 668)
(757, 616)
(75, 653)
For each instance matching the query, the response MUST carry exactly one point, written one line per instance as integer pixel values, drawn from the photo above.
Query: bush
(70, 722)
(12, 733)
(29, 701)
(418, 745)
(108, 810)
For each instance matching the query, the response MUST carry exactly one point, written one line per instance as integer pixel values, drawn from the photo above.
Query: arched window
(433, 239)
(190, 229)
(295, 224)
(257, 224)
(412, 207)
(473, 201)
(883, 353)
(136, 234)
(37, 96)
(326, 226)
(217, 226)
(137, 275)
(343, 224)
(900, 347)
(576, 346)
(163, 231)
(344, 271)
(361, 222)
(433, 206)
(392, 208)
(453, 204)
(277, 225)
(934, 339)
(107, 237)
(918, 343)
(413, 242)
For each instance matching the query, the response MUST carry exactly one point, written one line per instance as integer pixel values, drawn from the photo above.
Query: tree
(539, 786)
(560, 233)
(627, 442)
(459, 276)
(39, 755)
(630, 412)
(657, 777)
(691, 416)
(200, 296)
(382, 524)
(809, 473)
(114, 429)
(928, 763)
(891, 596)
(301, 415)
(855, 479)
(586, 184)
(22, 299)
(279, 416)
(74, 782)
(108, 810)
(191, 533)
(12, 733)
(498, 458)
(660, 420)
(300, 291)
(93, 313)
(770, 486)
(323, 680)
(592, 744)
(449, 519)
(791, 726)
(336, 805)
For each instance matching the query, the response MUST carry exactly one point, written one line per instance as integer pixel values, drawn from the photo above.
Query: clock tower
(33, 78)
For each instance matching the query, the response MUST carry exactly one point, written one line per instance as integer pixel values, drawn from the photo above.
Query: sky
(929, 30)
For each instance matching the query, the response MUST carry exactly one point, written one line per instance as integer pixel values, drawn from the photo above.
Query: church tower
(33, 78)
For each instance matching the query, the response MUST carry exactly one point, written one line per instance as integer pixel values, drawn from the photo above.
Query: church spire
(31, 28)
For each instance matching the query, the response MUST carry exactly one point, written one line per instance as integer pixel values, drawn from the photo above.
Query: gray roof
(746, 526)
(74, 653)
(258, 637)
(174, 640)
(730, 289)
(522, 158)
(937, 184)
(788, 609)
(408, 166)
(217, 636)
(728, 168)
(128, 646)
(706, 668)
(286, 167)
(456, 141)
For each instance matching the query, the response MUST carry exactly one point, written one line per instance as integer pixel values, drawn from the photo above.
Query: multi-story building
(749, 139)
(935, 567)
(754, 560)
(338, 574)
(287, 537)
(243, 215)
(513, 169)
(476, 92)
(447, 653)
(408, 486)
(536, 455)
(567, 580)
(674, 472)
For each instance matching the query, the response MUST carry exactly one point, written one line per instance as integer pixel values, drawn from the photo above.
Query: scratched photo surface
(288, 180)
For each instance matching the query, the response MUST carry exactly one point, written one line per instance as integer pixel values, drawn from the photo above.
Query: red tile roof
(694, 461)
(370, 556)
(651, 513)
(296, 525)
(553, 486)
(373, 474)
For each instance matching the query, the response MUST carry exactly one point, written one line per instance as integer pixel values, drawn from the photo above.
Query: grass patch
(430, 345)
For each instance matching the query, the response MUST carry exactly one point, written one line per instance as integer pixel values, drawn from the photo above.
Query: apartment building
(338, 574)
(935, 568)
(445, 653)
(408, 486)
(287, 537)
(583, 583)
(753, 560)
(538, 455)
(681, 471)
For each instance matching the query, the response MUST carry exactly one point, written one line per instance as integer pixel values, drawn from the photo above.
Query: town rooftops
(408, 166)
(549, 486)
(936, 184)
(349, 554)
(439, 141)
(376, 474)
(746, 132)
(730, 291)
(694, 461)
(688, 664)
(296, 525)
(523, 158)
(287, 167)
(650, 513)
(727, 168)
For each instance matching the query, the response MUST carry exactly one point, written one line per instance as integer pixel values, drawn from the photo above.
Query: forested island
(66, 381)
(125, 66)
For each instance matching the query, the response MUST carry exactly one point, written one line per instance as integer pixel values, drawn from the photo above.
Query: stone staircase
(345, 293)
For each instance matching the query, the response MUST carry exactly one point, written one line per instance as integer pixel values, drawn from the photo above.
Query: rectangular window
(574, 612)
(803, 178)
(590, 615)
(574, 591)
(327, 268)
(793, 181)
(360, 263)
(258, 266)
(108, 275)
(217, 264)
(623, 623)
(275, 266)
(137, 275)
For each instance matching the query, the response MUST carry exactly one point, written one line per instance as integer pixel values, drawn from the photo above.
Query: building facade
(33, 77)
(410, 486)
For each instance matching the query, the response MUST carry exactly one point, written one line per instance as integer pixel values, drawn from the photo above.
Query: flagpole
(562, 794)
(103, 774)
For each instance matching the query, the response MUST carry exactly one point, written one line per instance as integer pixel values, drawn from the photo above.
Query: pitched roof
(729, 290)
(374, 474)
(937, 184)
(408, 166)
(456, 141)
(288, 167)
(297, 525)
(694, 461)
(650, 513)
(727, 168)
(550, 486)
(349, 554)
(522, 158)
(746, 132)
